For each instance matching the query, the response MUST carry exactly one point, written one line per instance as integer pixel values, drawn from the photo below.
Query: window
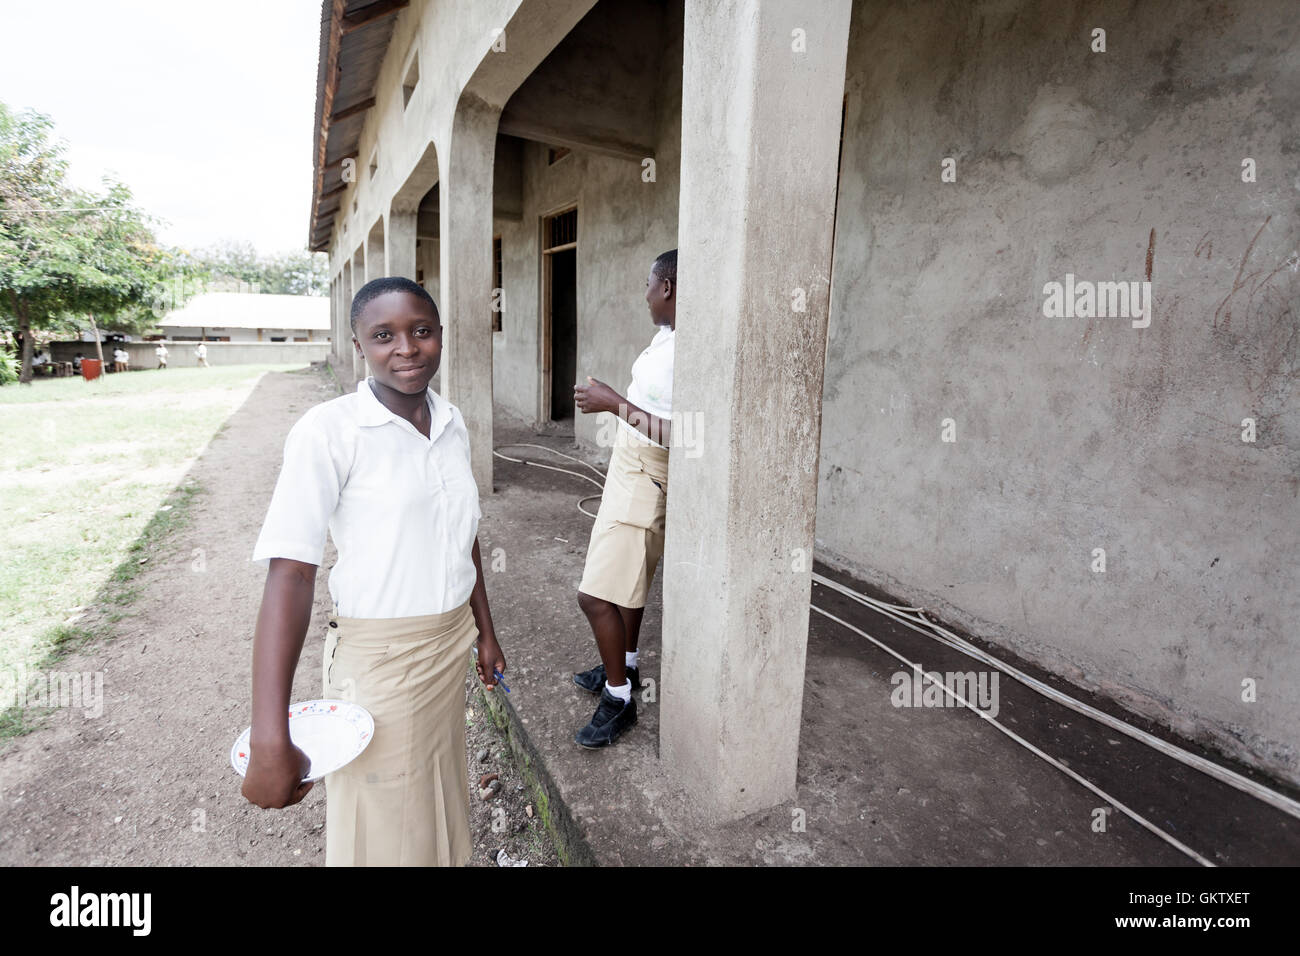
(412, 79)
(560, 231)
(498, 288)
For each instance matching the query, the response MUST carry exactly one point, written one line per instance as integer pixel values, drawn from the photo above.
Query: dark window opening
(561, 230)
(498, 287)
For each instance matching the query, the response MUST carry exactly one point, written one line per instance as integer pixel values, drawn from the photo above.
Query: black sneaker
(612, 717)
(593, 681)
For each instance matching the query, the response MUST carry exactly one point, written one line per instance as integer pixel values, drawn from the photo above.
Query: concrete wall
(181, 354)
(1073, 433)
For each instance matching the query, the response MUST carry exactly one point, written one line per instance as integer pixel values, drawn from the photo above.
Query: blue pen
(495, 673)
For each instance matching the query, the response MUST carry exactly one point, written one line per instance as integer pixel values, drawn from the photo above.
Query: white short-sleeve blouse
(403, 509)
(651, 389)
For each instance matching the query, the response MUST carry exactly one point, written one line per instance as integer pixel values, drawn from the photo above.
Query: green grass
(86, 469)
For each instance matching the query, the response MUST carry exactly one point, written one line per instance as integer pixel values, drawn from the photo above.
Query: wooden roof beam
(353, 110)
(370, 13)
(340, 161)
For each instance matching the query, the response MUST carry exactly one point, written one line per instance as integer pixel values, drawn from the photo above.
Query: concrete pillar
(399, 244)
(342, 336)
(345, 332)
(358, 280)
(465, 271)
(760, 143)
(334, 319)
(376, 261)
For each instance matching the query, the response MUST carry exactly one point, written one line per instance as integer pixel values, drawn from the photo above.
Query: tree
(238, 265)
(296, 273)
(67, 252)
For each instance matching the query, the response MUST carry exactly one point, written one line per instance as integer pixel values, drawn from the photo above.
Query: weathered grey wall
(1076, 434)
(624, 222)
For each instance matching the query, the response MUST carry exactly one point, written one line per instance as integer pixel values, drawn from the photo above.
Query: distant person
(76, 363)
(161, 352)
(627, 540)
(40, 359)
(201, 353)
(121, 359)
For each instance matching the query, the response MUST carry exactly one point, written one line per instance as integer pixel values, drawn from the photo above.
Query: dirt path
(149, 781)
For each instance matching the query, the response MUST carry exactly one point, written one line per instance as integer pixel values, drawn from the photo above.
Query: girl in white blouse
(386, 471)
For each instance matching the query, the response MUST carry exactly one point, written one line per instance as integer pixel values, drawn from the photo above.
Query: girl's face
(401, 338)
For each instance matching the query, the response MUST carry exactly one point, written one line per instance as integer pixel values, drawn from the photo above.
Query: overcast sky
(204, 109)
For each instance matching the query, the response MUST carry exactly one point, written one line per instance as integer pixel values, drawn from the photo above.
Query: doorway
(560, 309)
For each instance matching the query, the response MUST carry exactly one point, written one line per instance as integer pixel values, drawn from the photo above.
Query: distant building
(232, 317)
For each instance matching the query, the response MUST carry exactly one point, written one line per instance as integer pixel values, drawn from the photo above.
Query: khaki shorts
(627, 540)
(405, 800)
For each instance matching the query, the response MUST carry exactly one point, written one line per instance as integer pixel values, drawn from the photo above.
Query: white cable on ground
(1138, 818)
(553, 451)
(566, 471)
(946, 637)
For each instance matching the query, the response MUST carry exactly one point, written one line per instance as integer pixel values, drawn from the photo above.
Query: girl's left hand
(489, 659)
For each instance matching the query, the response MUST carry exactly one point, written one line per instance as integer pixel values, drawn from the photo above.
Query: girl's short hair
(665, 266)
(382, 286)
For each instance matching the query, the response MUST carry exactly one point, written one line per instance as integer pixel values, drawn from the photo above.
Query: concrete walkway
(877, 784)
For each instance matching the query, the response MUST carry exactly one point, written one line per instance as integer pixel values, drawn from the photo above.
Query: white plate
(331, 732)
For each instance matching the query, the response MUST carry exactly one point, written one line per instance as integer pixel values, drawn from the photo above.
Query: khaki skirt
(405, 800)
(627, 539)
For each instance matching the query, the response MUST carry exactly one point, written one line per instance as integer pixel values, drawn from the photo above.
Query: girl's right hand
(274, 777)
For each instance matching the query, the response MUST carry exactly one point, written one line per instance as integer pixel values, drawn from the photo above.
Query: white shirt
(201, 351)
(652, 380)
(402, 509)
(160, 351)
(120, 355)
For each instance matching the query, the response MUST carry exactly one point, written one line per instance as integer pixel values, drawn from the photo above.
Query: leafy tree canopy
(66, 253)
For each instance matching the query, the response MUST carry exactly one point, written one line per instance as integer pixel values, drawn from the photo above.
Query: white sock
(629, 658)
(623, 693)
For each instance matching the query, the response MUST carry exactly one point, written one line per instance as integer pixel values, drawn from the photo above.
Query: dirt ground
(148, 782)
